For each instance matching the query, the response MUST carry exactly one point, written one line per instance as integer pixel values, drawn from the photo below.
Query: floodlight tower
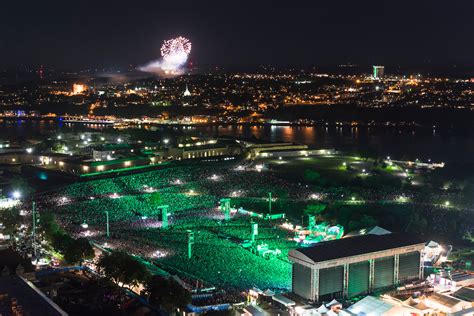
(33, 227)
(225, 207)
(164, 215)
(107, 224)
(190, 243)
(33, 218)
(254, 231)
(311, 222)
(269, 202)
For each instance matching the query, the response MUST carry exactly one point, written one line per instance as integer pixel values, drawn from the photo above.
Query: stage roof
(357, 245)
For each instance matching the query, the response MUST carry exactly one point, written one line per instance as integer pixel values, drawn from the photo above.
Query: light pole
(33, 217)
(269, 202)
(33, 227)
(107, 223)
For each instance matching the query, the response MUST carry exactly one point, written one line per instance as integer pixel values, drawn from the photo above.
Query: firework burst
(174, 54)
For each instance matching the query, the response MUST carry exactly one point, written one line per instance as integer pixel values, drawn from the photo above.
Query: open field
(338, 189)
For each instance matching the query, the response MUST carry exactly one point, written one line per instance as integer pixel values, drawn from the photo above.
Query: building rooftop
(444, 300)
(370, 305)
(110, 147)
(32, 301)
(375, 230)
(465, 294)
(357, 245)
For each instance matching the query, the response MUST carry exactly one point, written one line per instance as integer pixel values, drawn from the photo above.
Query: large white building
(355, 265)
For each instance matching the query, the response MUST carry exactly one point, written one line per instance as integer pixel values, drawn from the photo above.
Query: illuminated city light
(16, 194)
(259, 168)
(78, 88)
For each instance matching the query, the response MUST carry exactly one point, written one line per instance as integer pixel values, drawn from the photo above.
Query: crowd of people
(193, 194)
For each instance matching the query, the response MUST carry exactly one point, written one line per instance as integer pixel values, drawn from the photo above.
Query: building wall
(192, 153)
(255, 150)
(384, 272)
(358, 278)
(101, 154)
(409, 266)
(331, 282)
(301, 280)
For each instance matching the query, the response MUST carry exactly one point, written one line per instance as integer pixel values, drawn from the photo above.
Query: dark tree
(167, 293)
(78, 250)
(122, 268)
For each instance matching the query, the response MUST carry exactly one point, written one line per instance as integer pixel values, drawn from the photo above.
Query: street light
(446, 203)
(29, 150)
(16, 194)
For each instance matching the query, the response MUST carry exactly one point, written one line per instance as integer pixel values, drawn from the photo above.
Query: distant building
(204, 151)
(109, 151)
(275, 149)
(187, 93)
(378, 72)
(78, 88)
(356, 265)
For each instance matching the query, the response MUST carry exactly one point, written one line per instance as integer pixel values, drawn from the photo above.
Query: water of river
(411, 143)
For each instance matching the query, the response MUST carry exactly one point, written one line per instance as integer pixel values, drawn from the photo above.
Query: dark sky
(102, 33)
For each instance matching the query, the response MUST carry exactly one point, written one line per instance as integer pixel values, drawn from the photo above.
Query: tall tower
(378, 72)
(40, 72)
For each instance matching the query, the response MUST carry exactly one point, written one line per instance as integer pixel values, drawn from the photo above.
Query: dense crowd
(193, 194)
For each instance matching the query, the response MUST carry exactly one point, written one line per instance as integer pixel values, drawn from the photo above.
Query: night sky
(101, 33)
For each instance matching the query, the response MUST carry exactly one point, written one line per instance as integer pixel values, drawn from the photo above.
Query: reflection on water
(397, 142)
